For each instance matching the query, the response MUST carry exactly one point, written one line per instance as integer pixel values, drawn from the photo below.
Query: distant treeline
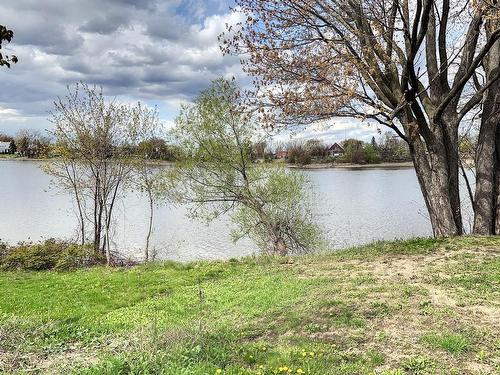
(33, 144)
(387, 149)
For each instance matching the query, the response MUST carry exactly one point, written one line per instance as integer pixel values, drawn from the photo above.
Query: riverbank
(413, 307)
(354, 166)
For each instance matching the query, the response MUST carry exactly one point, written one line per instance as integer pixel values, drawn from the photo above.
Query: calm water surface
(353, 206)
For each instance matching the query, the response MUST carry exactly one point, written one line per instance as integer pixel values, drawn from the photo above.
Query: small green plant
(393, 372)
(451, 342)
(419, 366)
(313, 327)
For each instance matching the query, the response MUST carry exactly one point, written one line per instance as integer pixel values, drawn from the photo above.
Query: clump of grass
(453, 343)
(419, 366)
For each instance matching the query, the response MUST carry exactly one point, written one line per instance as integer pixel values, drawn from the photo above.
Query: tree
(267, 203)
(259, 149)
(12, 147)
(354, 151)
(393, 149)
(95, 139)
(487, 159)
(297, 153)
(384, 60)
(6, 35)
(316, 148)
(147, 177)
(156, 149)
(32, 144)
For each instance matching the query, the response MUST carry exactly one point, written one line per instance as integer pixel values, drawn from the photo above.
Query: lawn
(407, 307)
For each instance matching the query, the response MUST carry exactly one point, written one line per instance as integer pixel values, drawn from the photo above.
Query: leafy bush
(47, 255)
(79, 256)
(34, 257)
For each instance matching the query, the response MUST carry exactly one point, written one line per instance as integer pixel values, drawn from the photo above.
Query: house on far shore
(281, 154)
(4, 147)
(335, 150)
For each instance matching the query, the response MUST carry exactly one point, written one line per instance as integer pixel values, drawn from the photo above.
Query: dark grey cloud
(164, 51)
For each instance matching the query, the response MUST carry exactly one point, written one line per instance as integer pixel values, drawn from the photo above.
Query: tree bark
(279, 247)
(487, 159)
(436, 166)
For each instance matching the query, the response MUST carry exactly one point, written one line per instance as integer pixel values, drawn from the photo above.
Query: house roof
(4, 144)
(336, 147)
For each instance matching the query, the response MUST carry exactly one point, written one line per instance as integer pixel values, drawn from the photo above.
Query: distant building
(281, 154)
(335, 150)
(4, 147)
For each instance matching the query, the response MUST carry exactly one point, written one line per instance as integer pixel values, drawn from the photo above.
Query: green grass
(406, 307)
(452, 342)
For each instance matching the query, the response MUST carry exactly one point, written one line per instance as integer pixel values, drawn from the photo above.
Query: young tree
(147, 177)
(12, 147)
(95, 139)
(268, 204)
(404, 64)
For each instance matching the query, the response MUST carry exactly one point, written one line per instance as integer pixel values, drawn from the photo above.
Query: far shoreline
(313, 166)
(349, 166)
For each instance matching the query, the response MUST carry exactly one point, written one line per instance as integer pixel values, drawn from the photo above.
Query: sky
(158, 52)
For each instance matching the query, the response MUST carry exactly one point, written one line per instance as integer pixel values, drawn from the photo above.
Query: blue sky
(159, 52)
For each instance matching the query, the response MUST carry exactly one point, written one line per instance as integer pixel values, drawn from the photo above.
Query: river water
(353, 207)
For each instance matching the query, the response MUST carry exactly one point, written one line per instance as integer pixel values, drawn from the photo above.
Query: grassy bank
(414, 307)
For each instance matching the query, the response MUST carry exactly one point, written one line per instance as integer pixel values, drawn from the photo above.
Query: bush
(47, 255)
(79, 256)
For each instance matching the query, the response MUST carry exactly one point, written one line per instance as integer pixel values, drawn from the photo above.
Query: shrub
(33, 257)
(47, 255)
(79, 256)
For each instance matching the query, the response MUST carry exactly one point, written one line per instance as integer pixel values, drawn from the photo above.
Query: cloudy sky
(161, 52)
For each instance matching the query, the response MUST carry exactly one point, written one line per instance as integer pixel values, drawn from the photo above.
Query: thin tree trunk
(150, 228)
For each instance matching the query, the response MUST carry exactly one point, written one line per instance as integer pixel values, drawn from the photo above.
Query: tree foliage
(268, 204)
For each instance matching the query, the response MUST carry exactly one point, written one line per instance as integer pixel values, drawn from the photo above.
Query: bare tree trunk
(150, 227)
(487, 195)
(80, 213)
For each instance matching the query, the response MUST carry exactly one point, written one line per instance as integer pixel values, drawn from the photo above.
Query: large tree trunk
(487, 195)
(496, 210)
(436, 166)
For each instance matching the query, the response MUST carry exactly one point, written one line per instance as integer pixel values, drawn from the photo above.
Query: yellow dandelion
(218, 371)
(300, 371)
